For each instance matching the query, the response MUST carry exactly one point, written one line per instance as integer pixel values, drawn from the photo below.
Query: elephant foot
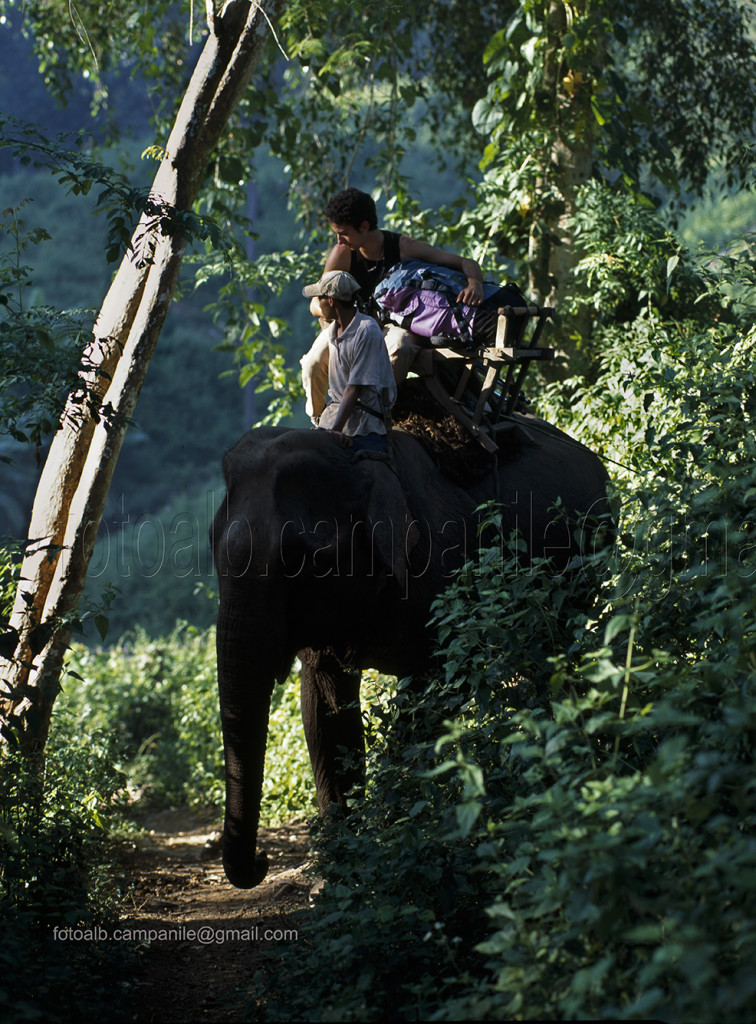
(244, 875)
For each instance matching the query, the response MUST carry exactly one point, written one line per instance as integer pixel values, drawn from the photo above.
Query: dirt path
(206, 935)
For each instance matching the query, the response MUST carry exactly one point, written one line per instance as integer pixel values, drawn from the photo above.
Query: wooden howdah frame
(480, 374)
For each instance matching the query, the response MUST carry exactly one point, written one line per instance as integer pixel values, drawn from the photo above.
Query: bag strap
(366, 408)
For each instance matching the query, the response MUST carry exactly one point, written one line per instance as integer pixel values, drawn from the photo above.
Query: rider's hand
(472, 295)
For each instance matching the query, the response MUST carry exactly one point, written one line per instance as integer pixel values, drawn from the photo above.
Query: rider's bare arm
(472, 295)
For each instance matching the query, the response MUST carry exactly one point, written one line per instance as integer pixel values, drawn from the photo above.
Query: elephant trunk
(246, 676)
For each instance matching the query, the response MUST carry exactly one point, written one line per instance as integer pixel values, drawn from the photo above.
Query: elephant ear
(390, 523)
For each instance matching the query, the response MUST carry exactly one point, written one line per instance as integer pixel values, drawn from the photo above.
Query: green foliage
(672, 339)
(74, 44)
(10, 556)
(167, 475)
(157, 699)
(288, 787)
(625, 82)
(56, 834)
(686, 111)
(718, 220)
(257, 310)
(44, 349)
(361, 80)
(41, 350)
(121, 203)
(633, 276)
(562, 824)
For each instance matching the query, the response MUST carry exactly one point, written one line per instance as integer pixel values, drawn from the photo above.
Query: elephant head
(338, 559)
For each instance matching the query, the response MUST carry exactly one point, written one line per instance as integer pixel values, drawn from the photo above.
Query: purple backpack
(422, 298)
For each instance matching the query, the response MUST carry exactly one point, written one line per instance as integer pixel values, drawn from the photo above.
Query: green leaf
(486, 116)
(597, 114)
(467, 815)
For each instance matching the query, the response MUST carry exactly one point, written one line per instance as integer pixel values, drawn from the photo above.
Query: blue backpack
(422, 298)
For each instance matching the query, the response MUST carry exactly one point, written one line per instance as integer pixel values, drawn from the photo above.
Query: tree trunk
(249, 394)
(552, 254)
(70, 499)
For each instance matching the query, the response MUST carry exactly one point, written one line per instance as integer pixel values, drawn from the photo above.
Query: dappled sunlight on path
(204, 938)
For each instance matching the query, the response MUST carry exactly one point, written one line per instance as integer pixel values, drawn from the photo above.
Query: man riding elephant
(360, 380)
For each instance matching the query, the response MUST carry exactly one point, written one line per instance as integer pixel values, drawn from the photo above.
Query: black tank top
(368, 273)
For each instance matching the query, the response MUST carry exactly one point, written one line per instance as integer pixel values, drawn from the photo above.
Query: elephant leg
(247, 671)
(333, 726)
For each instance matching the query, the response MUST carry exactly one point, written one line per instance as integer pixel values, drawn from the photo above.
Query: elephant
(337, 558)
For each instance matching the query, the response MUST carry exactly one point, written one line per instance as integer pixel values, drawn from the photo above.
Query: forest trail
(207, 936)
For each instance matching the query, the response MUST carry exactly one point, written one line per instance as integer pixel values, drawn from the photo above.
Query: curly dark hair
(352, 207)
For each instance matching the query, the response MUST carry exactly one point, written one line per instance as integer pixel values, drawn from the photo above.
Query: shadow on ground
(203, 937)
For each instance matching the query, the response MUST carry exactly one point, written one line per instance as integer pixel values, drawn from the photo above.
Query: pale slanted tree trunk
(70, 499)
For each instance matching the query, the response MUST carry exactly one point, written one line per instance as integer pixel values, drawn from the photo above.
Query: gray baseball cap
(336, 284)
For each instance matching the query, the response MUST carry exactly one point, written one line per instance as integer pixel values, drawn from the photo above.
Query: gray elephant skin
(337, 559)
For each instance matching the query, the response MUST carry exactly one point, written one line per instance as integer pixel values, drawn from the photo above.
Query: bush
(586, 850)
(158, 699)
(56, 834)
